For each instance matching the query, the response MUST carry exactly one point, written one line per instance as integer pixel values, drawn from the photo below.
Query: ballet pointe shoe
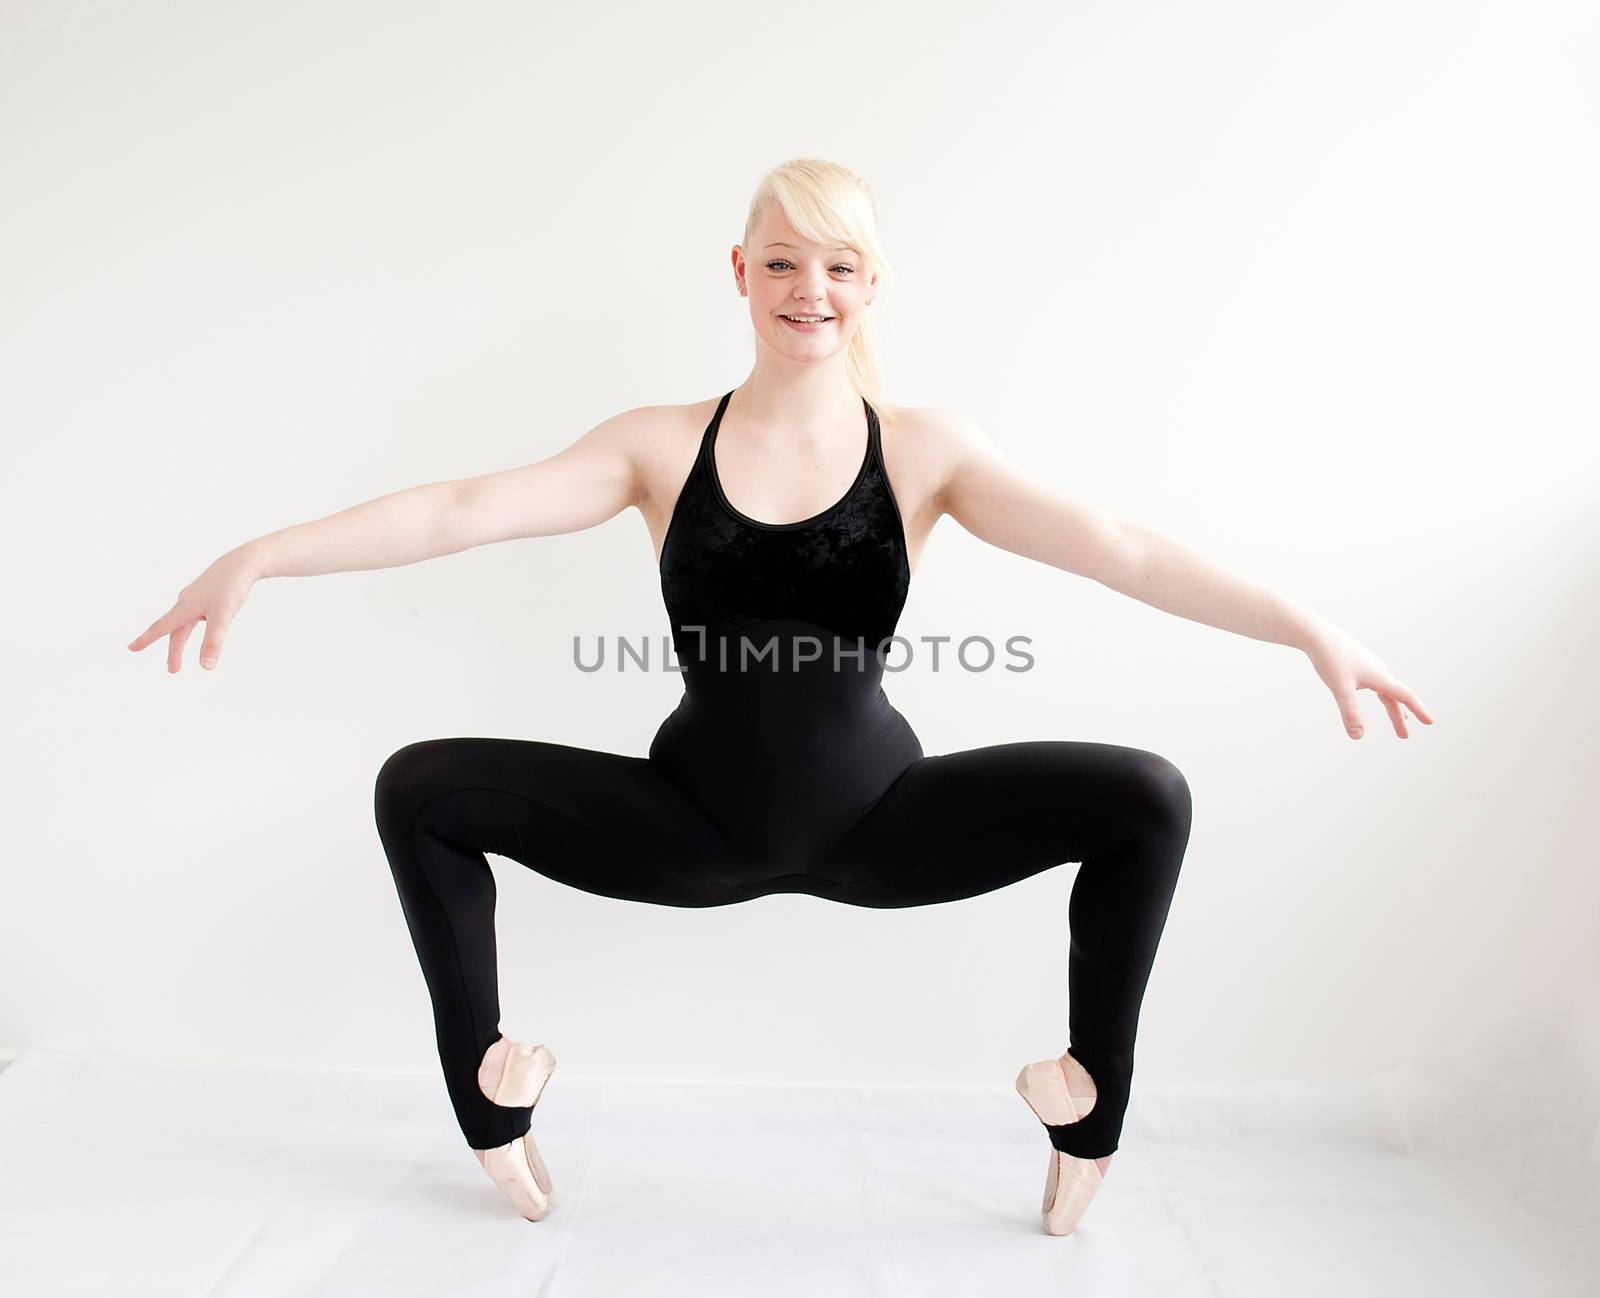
(514, 1075)
(1060, 1091)
(520, 1173)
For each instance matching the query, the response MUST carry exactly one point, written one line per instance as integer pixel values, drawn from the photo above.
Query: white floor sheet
(1447, 1176)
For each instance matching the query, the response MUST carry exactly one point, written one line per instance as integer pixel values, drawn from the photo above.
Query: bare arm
(996, 501)
(385, 532)
(590, 481)
(594, 479)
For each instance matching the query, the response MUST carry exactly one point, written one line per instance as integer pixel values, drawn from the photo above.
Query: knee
(1164, 800)
(406, 780)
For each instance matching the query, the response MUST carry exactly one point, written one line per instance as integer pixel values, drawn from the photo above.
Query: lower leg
(1117, 912)
(447, 893)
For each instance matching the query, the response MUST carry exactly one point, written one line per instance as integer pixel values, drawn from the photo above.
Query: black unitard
(785, 768)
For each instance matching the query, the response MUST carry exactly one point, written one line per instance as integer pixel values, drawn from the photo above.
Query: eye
(773, 265)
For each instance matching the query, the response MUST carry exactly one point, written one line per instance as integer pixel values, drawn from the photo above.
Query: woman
(786, 547)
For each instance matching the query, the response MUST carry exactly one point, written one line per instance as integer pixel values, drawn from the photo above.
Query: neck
(781, 396)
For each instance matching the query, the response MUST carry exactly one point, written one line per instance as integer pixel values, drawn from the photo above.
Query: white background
(1310, 287)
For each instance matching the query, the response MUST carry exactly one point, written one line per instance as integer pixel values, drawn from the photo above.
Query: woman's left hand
(1346, 666)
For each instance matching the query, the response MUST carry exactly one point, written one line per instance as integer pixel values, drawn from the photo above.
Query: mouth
(807, 323)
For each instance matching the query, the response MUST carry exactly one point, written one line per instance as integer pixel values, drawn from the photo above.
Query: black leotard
(784, 736)
(785, 768)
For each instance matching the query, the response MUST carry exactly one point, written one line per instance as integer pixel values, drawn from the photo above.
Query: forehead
(773, 232)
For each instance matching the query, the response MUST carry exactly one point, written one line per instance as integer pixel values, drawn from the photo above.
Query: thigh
(606, 823)
(959, 824)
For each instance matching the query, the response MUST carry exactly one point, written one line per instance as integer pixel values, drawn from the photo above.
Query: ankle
(1079, 1080)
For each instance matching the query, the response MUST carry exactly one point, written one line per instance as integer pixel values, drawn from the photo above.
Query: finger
(1395, 690)
(1350, 710)
(154, 631)
(211, 646)
(1415, 704)
(180, 637)
(1397, 715)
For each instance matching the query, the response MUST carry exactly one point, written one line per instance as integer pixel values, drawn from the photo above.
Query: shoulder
(658, 442)
(641, 425)
(936, 432)
(644, 433)
(657, 421)
(930, 445)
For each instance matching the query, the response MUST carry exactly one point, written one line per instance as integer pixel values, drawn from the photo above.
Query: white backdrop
(1311, 287)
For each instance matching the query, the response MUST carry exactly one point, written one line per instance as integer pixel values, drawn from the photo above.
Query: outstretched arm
(997, 502)
(591, 480)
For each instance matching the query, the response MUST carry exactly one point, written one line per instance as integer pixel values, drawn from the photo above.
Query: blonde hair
(829, 203)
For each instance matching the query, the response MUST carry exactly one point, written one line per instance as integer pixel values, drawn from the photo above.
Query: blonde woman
(789, 516)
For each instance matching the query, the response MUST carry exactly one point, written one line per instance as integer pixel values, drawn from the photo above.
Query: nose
(812, 289)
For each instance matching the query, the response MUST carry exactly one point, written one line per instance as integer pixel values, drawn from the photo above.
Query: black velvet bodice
(783, 748)
(844, 570)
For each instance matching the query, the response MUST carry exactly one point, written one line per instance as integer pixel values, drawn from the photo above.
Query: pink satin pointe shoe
(1060, 1091)
(520, 1173)
(514, 1075)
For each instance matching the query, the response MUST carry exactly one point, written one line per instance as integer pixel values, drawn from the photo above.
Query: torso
(781, 627)
(675, 441)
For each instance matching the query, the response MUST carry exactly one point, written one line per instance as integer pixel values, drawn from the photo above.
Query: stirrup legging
(950, 826)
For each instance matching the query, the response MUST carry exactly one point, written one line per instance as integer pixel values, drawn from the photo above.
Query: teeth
(808, 319)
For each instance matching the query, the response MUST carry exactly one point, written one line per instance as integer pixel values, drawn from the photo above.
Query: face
(784, 275)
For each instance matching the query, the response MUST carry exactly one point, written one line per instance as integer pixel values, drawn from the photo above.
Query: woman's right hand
(214, 597)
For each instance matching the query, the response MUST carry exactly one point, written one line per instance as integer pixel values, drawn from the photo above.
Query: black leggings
(950, 826)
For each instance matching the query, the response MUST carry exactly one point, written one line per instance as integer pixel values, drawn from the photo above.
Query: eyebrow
(845, 246)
